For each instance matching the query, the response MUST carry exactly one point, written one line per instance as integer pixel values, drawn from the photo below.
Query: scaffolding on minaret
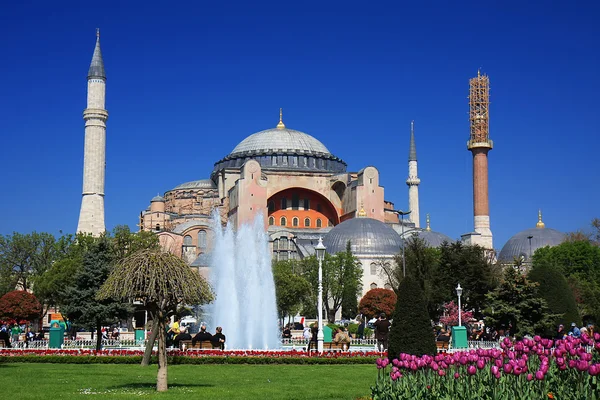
(479, 111)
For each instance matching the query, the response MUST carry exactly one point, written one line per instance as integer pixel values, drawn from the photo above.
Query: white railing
(79, 343)
(304, 342)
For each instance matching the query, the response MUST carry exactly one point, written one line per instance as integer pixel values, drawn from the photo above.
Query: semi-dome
(282, 140)
(519, 245)
(199, 184)
(367, 236)
(157, 198)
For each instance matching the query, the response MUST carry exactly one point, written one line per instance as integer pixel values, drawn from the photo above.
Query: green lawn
(65, 381)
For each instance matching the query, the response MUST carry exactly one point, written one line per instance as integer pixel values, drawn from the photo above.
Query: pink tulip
(507, 368)
(471, 370)
(529, 377)
(539, 375)
(441, 372)
(494, 369)
(481, 363)
(456, 375)
(582, 366)
(594, 369)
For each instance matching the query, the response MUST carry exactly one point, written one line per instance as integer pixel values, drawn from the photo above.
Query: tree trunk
(98, 336)
(161, 377)
(150, 344)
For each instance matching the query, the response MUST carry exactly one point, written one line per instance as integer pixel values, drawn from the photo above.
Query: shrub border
(181, 360)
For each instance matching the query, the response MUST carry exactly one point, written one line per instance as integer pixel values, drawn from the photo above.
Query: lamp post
(530, 255)
(320, 252)
(459, 293)
(402, 214)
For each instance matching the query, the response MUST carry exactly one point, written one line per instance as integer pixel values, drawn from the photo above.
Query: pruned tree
(161, 281)
(19, 306)
(377, 301)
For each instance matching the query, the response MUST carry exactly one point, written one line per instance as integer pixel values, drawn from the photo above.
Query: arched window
(319, 223)
(307, 222)
(283, 243)
(158, 227)
(271, 221)
(295, 201)
(373, 285)
(202, 239)
(373, 268)
(306, 204)
(271, 206)
(187, 240)
(295, 221)
(282, 221)
(284, 203)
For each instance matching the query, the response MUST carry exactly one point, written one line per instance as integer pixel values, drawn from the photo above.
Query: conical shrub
(411, 331)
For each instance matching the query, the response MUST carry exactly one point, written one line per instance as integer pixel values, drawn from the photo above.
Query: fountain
(242, 278)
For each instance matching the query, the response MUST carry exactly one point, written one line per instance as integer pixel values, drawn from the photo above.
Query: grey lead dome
(366, 236)
(280, 140)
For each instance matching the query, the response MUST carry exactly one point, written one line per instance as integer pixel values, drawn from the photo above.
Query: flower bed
(528, 369)
(116, 356)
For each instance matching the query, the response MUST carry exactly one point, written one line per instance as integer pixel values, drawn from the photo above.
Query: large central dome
(280, 149)
(281, 140)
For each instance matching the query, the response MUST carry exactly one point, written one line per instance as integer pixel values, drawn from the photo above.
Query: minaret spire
(97, 65)
(413, 180)
(412, 153)
(91, 216)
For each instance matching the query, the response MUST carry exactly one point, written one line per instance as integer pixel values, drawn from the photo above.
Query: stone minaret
(479, 145)
(91, 216)
(413, 179)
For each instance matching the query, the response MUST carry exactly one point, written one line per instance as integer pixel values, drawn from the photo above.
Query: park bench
(441, 345)
(201, 345)
(330, 346)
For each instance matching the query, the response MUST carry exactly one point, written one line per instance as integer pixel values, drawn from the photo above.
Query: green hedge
(186, 360)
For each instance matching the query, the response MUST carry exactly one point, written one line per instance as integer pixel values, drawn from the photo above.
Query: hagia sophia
(303, 191)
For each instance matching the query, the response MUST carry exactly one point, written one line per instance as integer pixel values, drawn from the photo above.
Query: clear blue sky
(187, 82)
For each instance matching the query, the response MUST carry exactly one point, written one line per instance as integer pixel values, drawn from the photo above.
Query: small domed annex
(431, 238)
(367, 236)
(525, 243)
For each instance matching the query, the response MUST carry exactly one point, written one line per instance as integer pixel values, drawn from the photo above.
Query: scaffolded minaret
(480, 144)
(91, 216)
(413, 180)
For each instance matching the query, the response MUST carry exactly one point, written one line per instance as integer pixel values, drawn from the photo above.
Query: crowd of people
(11, 335)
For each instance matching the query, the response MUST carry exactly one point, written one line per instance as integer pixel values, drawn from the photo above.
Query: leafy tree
(579, 262)
(469, 266)
(291, 289)
(376, 301)
(127, 242)
(411, 331)
(450, 316)
(19, 305)
(553, 288)
(141, 276)
(80, 303)
(342, 275)
(23, 256)
(515, 304)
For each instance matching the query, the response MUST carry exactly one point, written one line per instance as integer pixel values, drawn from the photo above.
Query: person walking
(382, 332)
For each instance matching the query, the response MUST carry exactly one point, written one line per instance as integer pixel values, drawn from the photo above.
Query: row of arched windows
(187, 240)
(295, 222)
